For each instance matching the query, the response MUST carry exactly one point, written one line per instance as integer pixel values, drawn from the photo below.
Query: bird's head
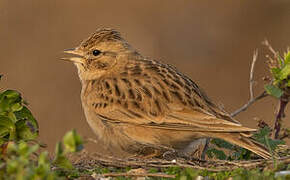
(103, 51)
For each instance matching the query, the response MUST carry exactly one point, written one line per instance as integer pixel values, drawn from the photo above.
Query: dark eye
(96, 52)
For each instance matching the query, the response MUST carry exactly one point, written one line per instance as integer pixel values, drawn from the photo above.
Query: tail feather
(243, 140)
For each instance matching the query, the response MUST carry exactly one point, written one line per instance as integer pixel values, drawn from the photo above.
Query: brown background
(211, 41)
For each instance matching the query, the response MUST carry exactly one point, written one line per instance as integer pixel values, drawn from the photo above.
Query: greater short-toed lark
(136, 104)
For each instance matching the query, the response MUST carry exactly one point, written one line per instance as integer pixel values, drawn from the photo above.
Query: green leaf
(274, 143)
(12, 166)
(212, 152)
(25, 130)
(12, 116)
(58, 149)
(280, 60)
(43, 168)
(11, 147)
(26, 125)
(242, 154)
(25, 115)
(285, 72)
(25, 150)
(8, 99)
(2, 141)
(72, 141)
(273, 91)
(60, 160)
(276, 72)
(264, 133)
(287, 57)
(16, 107)
(7, 127)
(222, 144)
(43, 158)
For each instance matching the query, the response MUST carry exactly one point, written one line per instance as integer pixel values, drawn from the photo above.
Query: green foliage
(273, 90)
(190, 173)
(238, 153)
(72, 143)
(281, 76)
(263, 136)
(60, 159)
(21, 163)
(19, 158)
(16, 121)
(213, 152)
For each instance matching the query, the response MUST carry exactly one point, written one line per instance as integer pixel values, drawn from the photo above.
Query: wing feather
(164, 99)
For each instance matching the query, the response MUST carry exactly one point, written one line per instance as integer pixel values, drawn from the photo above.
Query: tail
(244, 140)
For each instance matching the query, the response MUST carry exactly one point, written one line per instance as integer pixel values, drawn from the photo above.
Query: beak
(78, 56)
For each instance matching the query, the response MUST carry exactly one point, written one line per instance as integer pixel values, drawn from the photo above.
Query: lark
(136, 105)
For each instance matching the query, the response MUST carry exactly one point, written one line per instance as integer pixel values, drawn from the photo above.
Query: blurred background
(210, 41)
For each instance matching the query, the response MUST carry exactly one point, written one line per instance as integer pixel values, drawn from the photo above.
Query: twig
(285, 135)
(268, 45)
(251, 82)
(249, 103)
(138, 175)
(281, 113)
(100, 160)
(255, 56)
(284, 99)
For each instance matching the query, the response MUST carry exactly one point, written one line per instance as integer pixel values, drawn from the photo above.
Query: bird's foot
(149, 155)
(174, 154)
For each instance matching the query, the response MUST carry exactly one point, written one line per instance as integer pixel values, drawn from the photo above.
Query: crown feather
(101, 35)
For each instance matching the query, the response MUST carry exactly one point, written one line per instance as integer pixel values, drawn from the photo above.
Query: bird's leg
(148, 152)
(205, 149)
(155, 153)
(170, 154)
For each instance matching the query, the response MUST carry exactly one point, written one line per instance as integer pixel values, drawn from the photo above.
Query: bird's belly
(161, 138)
(134, 138)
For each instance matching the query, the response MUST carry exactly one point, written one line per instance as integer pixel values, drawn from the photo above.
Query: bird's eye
(96, 52)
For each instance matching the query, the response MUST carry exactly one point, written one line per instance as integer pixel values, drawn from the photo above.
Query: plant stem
(249, 103)
(281, 114)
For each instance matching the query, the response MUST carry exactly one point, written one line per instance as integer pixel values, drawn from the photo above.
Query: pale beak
(78, 56)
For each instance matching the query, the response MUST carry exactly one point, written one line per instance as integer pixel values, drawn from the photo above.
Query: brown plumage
(134, 104)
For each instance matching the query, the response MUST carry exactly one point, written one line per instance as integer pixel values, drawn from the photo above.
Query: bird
(140, 106)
